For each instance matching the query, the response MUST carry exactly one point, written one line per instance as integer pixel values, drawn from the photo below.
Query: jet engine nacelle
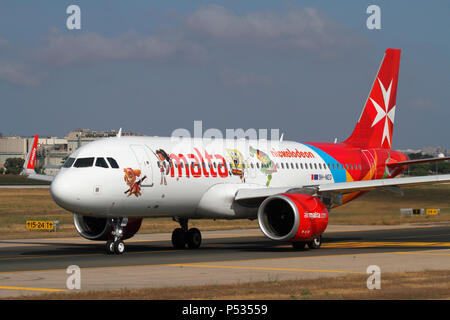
(292, 217)
(93, 228)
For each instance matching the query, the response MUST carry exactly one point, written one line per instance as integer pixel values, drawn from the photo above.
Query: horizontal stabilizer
(418, 161)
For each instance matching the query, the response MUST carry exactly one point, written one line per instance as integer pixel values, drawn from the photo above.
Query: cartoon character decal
(267, 166)
(237, 163)
(164, 164)
(130, 177)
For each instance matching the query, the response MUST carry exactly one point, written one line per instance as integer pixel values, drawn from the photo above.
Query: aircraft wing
(28, 165)
(343, 187)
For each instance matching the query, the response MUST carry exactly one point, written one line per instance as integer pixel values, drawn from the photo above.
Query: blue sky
(304, 67)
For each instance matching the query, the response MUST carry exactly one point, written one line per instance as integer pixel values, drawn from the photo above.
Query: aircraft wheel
(178, 238)
(110, 247)
(194, 238)
(315, 243)
(119, 247)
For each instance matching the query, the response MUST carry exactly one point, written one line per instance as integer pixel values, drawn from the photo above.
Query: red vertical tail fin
(31, 158)
(376, 123)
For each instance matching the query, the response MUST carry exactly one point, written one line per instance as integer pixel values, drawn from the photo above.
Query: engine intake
(93, 228)
(292, 217)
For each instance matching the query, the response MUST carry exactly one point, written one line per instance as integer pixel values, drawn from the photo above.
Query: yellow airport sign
(433, 212)
(40, 225)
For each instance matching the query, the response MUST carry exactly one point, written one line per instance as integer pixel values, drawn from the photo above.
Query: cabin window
(296, 165)
(113, 163)
(84, 162)
(69, 162)
(315, 166)
(101, 162)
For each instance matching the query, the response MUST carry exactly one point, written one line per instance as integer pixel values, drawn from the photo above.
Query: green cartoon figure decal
(267, 166)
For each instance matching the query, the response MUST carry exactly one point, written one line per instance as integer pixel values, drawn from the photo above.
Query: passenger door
(143, 159)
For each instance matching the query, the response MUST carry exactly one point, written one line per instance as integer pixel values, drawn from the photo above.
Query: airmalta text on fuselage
(195, 165)
(199, 165)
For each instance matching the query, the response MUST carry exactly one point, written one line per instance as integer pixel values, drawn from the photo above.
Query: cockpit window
(69, 162)
(84, 162)
(113, 163)
(101, 162)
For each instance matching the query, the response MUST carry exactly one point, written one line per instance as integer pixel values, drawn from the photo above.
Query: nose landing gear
(116, 245)
(184, 236)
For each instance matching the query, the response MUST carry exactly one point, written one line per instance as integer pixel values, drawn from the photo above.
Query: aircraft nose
(62, 192)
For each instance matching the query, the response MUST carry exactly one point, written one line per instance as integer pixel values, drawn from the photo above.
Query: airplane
(111, 184)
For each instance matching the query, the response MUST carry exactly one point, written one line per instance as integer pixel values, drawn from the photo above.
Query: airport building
(13, 147)
(52, 151)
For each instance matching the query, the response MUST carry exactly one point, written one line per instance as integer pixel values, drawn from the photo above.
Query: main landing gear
(184, 236)
(313, 244)
(117, 246)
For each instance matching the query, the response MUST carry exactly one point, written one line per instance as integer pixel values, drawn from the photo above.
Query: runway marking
(262, 268)
(355, 244)
(209, 237)
(227, 261)
(219, 261)
(83, 254)
(50, 241)
(32, 289)
(425, 253)
(399, 227)
(379, 243)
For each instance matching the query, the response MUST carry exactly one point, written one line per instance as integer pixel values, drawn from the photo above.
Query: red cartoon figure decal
(164, 164)
(131, 179)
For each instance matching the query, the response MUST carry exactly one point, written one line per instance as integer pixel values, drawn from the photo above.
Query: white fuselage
(216, 168)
